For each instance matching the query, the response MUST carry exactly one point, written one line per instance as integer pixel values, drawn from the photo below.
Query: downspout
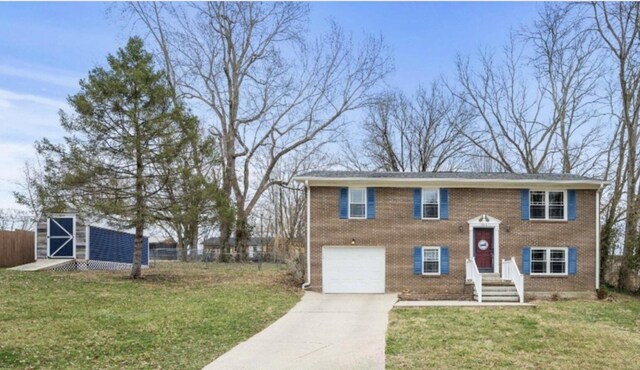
(307, 284)
(598, 236)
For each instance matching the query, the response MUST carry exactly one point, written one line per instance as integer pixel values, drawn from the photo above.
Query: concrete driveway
(323, 331)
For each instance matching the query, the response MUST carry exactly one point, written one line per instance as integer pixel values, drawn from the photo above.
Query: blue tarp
(114, 246)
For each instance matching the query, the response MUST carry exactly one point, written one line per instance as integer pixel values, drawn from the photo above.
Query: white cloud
(24, 118)
(7, 96)
(42, 74)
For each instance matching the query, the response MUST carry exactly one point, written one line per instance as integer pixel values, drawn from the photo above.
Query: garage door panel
(353, 270)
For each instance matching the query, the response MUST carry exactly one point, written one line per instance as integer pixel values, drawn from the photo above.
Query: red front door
(483, 248)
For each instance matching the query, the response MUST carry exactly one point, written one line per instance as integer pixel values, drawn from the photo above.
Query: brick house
(452, 235)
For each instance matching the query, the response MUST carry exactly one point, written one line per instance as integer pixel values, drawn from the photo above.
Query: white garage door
(353, 269)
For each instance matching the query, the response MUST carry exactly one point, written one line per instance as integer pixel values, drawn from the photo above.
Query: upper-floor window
(357, 203)
(548, 205)
(430, 204)
(549, 261)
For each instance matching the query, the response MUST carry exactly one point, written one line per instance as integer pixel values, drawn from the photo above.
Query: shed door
(353, 269)
(61, 233)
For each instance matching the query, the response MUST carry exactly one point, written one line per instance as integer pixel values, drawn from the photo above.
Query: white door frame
(73, 232)
(486, 222)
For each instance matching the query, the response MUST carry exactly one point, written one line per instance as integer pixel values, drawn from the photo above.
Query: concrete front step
(498, 298)
(491, 282)
(497, 283)
(498, 287)
(499, 293)
(505, 292)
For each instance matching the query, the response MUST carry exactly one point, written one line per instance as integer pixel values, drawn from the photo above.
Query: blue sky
(45, 48)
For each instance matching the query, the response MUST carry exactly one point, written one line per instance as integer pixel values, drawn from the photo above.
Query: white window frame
(424, 248)
(547, 251)
(546, 204)
(365, 204)
(422, 203)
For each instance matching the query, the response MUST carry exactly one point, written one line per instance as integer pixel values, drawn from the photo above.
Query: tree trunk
(607, 240)
(225, 234)
(242, 235)
(627, 267)
(136, 265)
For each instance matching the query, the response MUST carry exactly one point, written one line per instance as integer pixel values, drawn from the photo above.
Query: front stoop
(494, 289)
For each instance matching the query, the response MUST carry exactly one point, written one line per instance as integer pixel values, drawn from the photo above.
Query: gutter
(598, 236)
(449, 182)
(307, 284)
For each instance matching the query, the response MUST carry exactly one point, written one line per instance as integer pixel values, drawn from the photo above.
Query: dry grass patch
(567, 335)
(181, 316)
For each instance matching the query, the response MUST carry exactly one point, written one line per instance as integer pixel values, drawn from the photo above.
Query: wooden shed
(67, 236)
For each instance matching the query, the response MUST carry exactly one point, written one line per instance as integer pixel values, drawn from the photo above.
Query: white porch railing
(511, 272)
(474, 275)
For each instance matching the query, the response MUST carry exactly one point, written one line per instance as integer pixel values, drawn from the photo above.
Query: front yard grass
(181, 316)
(559, 335)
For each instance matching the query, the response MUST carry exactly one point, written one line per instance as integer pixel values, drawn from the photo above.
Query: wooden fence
(16, 248)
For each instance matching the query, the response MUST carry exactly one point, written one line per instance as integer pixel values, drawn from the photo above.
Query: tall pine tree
(123, 129)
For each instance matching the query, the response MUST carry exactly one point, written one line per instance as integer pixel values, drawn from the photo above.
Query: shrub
(296, 265)
(603, 292)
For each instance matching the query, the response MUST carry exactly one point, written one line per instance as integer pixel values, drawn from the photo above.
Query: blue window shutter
(371, 203)
(444, 260)
(417, 203)
(573, 261)
(417, 260)
(524, 204)
(526, 260)
(344, 202)
(571, 212)
(444, 204)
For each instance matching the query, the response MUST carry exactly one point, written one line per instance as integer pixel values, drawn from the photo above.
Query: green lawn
(561, 335)
(181, 316)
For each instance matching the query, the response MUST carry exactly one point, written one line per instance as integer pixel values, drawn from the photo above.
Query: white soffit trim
(449, 183)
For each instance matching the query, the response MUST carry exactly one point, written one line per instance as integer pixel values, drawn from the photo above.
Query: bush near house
(556, 335)
(181, 316)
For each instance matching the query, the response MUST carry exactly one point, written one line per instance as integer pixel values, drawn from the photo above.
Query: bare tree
(15, 219)
(611, 207)
(618, 25)
(566, 57)
(508, 107)
(537, 106)
(421, 134)
(35, 194)
(266, 90)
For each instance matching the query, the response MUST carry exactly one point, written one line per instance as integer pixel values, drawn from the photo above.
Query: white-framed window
(430, 204)
(430, 260)
(548, 204)
(357, 203)
(549, 261)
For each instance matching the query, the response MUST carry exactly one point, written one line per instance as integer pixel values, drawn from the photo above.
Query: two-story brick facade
(423, 234)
